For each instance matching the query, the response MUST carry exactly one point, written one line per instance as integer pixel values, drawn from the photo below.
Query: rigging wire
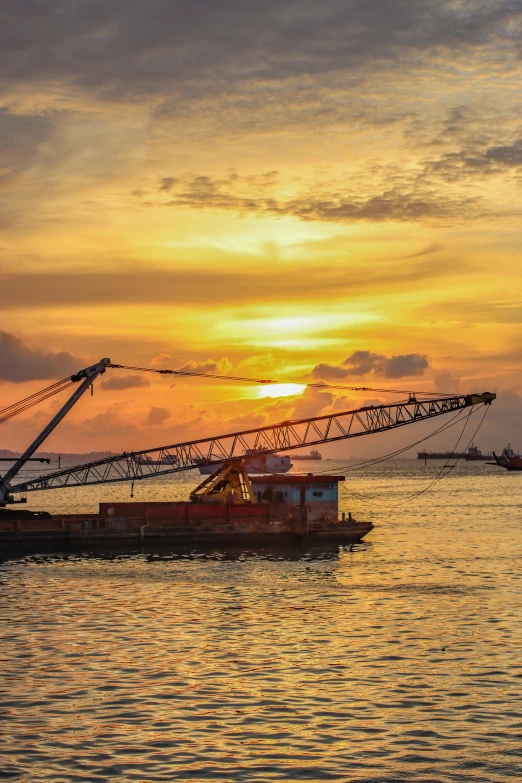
(34, 399)
(265, 381)
(443, 472)
(456, 419)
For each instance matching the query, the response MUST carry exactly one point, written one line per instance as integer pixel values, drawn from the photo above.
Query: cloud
(312, 402)
(477, 160)
(262, 365)
(117, 51)
(107, 423)
(221, 367)
(76, 116)
(404, 366)
(157, 416)
(362, 363)
(163, 358)
(444, 381)
(19, 362)
(412, 200)
(167, 183)
(246, 421)
(328, 372)
(119, 382)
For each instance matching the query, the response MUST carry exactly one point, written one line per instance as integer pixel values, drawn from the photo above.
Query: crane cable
(443, 472)
(456, 419)
(34, 399)
(266, 381)
(384, 457)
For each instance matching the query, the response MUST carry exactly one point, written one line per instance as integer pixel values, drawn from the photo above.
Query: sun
(281, 390)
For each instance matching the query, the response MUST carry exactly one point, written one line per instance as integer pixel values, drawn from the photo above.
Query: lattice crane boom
(285, 436)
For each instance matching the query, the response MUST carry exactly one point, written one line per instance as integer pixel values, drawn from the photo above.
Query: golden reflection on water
(396, 661)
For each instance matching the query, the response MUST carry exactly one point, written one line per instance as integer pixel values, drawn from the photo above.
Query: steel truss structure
(284, 436)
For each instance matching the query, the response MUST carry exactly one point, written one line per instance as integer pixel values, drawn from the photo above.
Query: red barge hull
(159, 522)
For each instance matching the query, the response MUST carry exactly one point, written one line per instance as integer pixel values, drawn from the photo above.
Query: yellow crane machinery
(230, 483)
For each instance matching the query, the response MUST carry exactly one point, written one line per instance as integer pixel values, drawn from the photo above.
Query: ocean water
(398, 660)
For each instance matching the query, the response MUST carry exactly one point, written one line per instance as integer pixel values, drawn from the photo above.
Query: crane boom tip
(486, 398)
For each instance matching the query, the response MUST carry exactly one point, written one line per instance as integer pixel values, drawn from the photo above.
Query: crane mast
(88, 375)
(285, 436)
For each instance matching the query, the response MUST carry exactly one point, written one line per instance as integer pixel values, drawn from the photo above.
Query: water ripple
(397, 661)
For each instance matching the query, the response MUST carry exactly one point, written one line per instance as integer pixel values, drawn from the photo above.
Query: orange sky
(263, 189)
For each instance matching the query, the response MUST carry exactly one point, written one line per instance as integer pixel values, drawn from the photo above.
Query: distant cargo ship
(146, 460)
(314, 454)
(473, 454)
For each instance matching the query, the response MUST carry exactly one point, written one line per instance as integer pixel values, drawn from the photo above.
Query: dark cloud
(167, 184)
(476, 160)
(157, 416)
(216, 68)
(20, 363)
(362, 363)
(118, 48)
(404, 366)
(413, 201)
(119, 382)
(328, 372)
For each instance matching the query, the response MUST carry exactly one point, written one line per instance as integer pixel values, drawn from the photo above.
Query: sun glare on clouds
(281, 390)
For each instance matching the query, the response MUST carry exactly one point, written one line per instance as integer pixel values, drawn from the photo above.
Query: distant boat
(508, 459)
(254, 463)
(314, 454)
(473, 454)
(144, 459)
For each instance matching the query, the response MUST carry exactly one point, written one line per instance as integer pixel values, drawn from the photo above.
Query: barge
(179, 522)
(224, 508)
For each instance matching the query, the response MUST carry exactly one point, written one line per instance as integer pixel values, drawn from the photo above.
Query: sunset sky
(294, 190)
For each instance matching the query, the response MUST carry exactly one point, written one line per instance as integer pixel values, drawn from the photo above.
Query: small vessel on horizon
(143, 459)
(313, 455)
(473, 454)
(508, 459)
